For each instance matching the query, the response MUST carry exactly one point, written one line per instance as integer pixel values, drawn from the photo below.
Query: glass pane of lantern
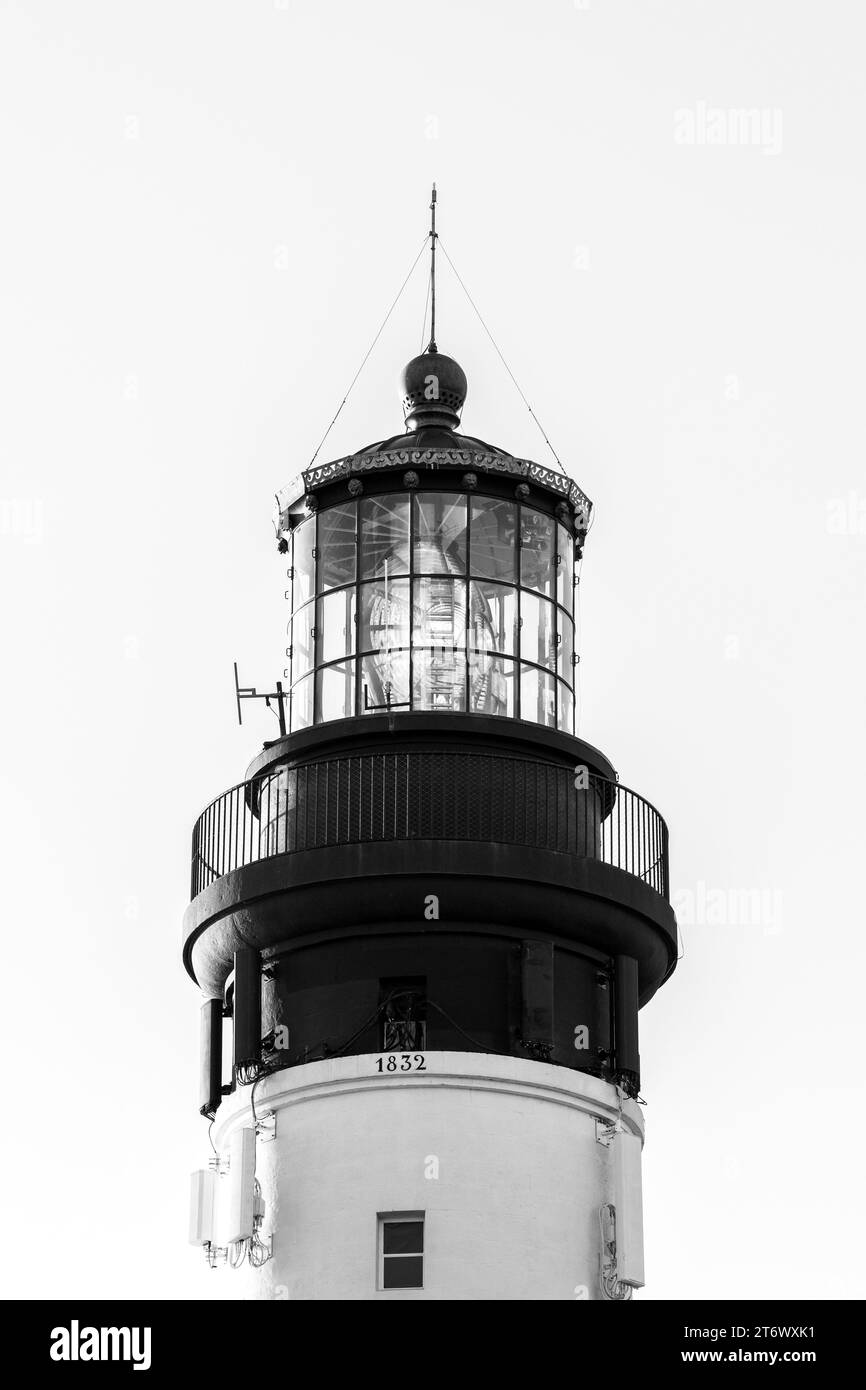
(537, 549)
(302, 640)
(384, 535)
(384, 629)
(565, 648)
(537, 698)
(337, 547)
(384, 681)
(493, 617)
(302, 704)
(335, 691)
(440, 533)
(335, 624)
(384, 614)
(303, 543)
(439, 679)
(565, 569)
(566, 709)
(493, 539)
(537, 635)
(439, 612)
(491, 684)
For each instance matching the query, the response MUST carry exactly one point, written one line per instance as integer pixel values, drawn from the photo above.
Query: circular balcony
(344, 829)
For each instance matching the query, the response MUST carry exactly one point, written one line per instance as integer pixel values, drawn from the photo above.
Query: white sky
(207, 209)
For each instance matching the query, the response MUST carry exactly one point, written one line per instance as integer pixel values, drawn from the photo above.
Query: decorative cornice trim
(486, 461)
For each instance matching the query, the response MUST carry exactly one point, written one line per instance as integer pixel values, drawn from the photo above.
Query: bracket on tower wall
(266, 1126)
(605, 1131)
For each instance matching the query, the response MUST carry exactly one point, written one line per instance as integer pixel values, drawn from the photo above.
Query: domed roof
(434, 390)
(434, 435)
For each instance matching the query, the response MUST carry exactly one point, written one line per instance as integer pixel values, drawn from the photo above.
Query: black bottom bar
(212, 1339)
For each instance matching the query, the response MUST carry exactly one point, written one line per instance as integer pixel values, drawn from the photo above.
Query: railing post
(666, 886)
(194, 864)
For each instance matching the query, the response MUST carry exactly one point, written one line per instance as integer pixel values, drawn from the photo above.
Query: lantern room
(432, 572)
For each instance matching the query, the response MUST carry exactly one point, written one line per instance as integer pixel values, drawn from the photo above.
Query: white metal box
(628, 1202)
(202, 1190)
(240, 1197)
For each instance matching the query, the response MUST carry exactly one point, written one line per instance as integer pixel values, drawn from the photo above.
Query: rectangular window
(403, 1014)
(401, 1250)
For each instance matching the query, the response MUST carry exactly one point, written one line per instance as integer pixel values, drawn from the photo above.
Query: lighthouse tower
(425, 921)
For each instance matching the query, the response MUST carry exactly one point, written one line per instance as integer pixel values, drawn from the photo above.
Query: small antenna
(249, 692)
(432, 344)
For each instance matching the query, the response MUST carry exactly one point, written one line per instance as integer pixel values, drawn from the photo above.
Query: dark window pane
(404, 1010)
(404, 1035)
(405, 1273)
(337, 546)
(493, 540)
(440, 533)
(403, 1237)
(384, 536)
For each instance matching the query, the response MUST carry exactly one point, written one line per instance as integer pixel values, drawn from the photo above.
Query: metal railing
(486, 797)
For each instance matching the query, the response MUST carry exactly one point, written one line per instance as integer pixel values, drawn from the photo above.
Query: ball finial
(434, 391)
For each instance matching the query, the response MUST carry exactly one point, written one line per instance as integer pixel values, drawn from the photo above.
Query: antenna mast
(432, 344)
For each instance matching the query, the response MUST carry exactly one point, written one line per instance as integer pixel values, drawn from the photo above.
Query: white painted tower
(497, 1169)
